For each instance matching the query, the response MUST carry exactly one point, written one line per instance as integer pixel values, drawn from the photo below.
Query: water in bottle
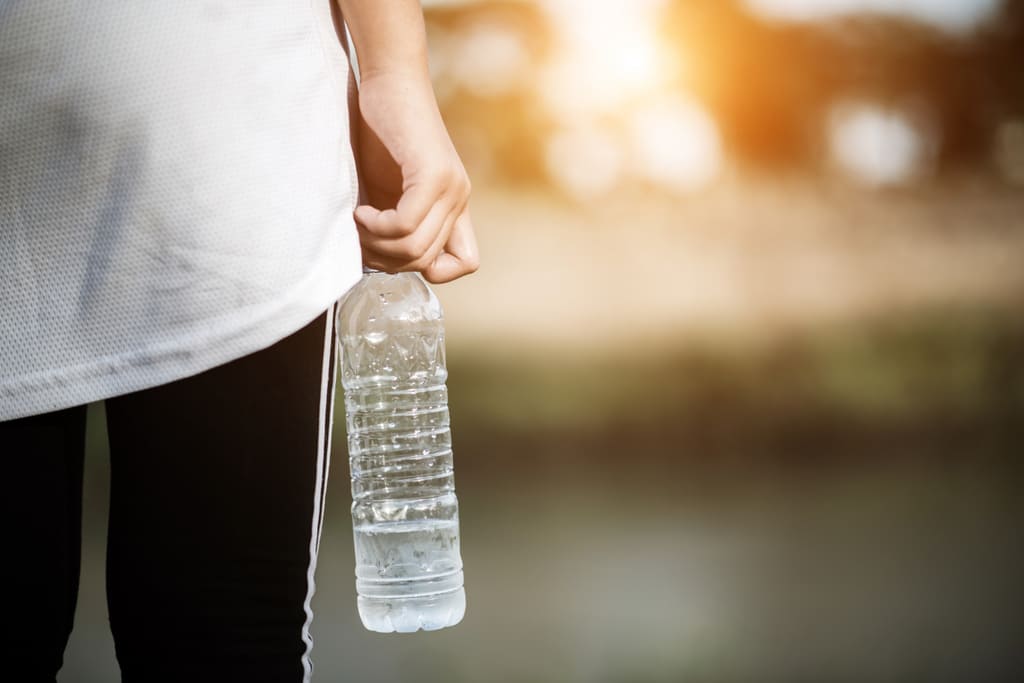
(405, 516)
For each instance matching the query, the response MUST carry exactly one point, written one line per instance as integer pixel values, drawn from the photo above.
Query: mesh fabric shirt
(176, 189)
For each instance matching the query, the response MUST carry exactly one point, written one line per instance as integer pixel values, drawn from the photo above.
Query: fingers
(407, 237)
(453, 254)
(422, 191)
(402, 221)
(428, 230)
(460, 256)
(413, 252)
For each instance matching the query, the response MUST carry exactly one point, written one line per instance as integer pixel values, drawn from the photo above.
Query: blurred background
(738, 392)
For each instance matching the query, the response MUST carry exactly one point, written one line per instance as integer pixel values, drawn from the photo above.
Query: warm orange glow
(609, 55)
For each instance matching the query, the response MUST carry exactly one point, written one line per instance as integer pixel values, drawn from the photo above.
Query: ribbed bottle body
(404, 510)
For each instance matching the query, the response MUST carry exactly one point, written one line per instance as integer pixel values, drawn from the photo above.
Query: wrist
(394, 92)
(388, 37)
(400, 76)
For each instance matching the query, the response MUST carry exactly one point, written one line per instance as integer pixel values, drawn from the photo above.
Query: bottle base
(411, 614)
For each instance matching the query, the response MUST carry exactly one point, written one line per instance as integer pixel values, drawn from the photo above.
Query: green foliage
(939, 364)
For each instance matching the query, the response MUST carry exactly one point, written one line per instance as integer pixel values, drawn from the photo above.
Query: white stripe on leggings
(335, 351)
(322, 457)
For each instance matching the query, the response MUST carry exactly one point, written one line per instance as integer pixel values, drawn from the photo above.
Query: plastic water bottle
(405, 517)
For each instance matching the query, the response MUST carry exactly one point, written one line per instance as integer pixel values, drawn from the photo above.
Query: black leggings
(217, 490)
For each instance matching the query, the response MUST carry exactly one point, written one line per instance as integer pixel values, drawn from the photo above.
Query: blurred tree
(770, 84)
(501, 132)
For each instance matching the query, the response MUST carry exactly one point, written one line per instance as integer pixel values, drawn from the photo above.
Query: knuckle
(450, 173)
(415, 248)
(424, 245)
(420, 264)
(438, 178)
(404, 226)
(405, 253)
(453, 175)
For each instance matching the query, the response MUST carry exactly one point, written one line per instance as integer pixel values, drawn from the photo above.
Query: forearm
(388, 35)
(417, 191)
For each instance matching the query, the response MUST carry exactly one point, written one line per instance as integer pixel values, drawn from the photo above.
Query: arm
(417, 216)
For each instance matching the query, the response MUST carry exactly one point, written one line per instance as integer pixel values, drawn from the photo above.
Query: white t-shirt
(176, 189)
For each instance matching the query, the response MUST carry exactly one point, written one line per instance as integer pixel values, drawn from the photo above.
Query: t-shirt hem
(228, 338)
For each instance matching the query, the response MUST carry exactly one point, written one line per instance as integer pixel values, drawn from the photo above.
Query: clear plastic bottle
(405, 517)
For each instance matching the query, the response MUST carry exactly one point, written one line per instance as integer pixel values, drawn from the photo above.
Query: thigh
(41, 525)
(217, 486)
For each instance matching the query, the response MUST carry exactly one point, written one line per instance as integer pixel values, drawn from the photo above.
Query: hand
(417, 218)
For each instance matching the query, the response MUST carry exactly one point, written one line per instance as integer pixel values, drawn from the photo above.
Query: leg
(41, 523)
(217, 486)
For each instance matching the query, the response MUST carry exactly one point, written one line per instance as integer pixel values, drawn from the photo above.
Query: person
(186, 192)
